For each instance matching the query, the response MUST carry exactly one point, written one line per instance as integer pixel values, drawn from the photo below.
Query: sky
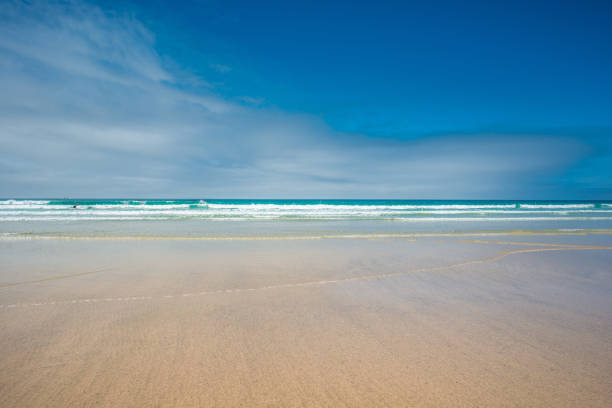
(224, 99)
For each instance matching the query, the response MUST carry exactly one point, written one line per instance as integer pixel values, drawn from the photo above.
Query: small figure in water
(75, 206)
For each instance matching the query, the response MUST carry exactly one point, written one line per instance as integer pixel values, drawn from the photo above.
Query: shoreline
(544, 247)
(16, 236)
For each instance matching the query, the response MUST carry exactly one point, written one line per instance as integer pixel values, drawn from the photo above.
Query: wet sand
(520, 321)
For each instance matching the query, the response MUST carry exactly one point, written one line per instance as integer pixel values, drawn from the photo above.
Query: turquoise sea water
(213, 216)
(134, 209)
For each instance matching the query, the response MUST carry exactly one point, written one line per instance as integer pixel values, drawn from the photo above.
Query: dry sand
(334, 322)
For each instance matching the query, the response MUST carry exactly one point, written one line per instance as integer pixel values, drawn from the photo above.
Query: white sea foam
(279, 213)
(43, 206)
(267, 207)
(23, 202)
(136, 210)
(405, 219)
(529, 206)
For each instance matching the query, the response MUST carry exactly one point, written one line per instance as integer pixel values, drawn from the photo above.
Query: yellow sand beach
(446, 321)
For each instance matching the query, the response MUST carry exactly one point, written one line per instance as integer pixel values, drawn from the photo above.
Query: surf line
(73, 275)
(313, 283)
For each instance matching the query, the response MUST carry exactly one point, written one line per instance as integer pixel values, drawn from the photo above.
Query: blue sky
(277, 99)
(408, 68)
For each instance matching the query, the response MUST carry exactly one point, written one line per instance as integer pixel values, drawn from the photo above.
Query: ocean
(244, 210)
(212, 217)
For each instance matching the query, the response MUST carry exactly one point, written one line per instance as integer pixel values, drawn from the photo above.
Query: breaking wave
(232, 210)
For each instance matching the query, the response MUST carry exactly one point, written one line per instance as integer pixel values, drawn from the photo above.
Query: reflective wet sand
(440, 321)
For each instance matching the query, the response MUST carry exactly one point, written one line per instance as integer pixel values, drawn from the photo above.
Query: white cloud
(89, 109)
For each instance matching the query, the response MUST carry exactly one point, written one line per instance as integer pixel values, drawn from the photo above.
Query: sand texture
(431, 322)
